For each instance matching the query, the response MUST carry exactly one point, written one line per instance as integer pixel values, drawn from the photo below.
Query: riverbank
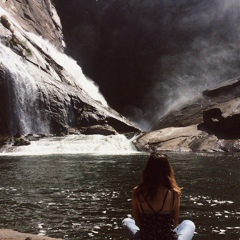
(8, 234)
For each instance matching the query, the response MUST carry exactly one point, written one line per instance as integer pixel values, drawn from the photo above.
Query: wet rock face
(39, 94)
(39, 17)
(56, 107)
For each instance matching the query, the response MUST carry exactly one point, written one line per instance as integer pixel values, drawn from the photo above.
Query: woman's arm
(176, 208)
(135, 209)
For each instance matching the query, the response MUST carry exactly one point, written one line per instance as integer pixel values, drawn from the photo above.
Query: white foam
(75, 144)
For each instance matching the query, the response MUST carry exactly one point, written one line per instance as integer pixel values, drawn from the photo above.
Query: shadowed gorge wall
(146, 55)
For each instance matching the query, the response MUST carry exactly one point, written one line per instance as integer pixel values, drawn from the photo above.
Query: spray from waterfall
(201, 50)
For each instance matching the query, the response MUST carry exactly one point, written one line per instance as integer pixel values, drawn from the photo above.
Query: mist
(208, 36)
(151, 56)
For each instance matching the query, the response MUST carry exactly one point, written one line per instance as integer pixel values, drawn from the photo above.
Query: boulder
(213, 118)
(98, 129)
(229, 127)
(21, 141)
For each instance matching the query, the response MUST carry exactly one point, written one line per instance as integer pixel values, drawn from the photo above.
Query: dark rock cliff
(38, 92)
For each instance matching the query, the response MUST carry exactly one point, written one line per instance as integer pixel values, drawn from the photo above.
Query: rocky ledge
(8, 234)
(210, 123)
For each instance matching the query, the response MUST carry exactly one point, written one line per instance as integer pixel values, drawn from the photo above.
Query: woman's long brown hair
(158, 171)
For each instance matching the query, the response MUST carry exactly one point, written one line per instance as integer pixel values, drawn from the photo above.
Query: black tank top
(157, 225)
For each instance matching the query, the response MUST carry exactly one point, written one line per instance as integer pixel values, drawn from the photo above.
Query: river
(84, 196)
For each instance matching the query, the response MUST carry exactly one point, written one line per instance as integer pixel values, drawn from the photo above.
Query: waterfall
(33, 70)
(76, 144)
(62, 59)
(70, 65)
(24, 113)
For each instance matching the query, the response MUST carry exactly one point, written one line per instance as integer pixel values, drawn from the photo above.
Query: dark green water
(86, 197)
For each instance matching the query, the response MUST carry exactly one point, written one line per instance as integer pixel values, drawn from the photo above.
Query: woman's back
(164, 201)
(156, 215)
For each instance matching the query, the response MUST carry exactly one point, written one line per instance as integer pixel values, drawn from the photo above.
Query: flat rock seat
(8, 234)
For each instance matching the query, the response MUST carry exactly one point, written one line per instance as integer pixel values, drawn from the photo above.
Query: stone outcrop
(21, 141)
(186, 139)
(8, 234)
(98, 129)
(39, 17)
(38, 93)
(228, 127)
(210, 123)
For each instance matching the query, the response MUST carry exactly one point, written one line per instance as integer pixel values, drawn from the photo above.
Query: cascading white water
(22, 87)
(70, 66)
(26, 114)
(75, 144)
(62, 59)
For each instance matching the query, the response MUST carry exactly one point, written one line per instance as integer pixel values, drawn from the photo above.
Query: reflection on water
(86, 197)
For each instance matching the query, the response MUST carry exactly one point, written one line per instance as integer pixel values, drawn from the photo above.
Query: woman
(155, 205)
